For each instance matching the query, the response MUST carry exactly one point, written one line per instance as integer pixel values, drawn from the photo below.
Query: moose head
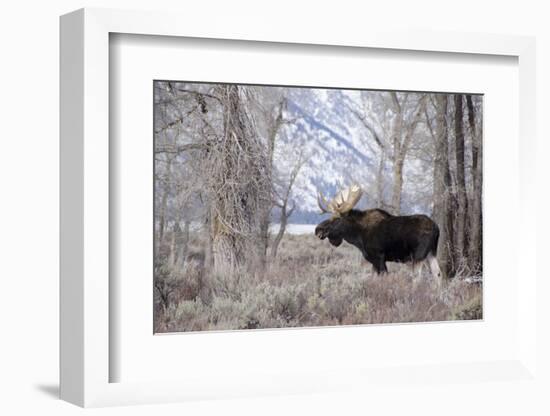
(343, 222)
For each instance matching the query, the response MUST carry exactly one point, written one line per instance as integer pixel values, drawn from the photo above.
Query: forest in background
(232, 160)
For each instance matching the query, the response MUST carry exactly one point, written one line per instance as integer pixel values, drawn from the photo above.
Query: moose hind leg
(382, 268)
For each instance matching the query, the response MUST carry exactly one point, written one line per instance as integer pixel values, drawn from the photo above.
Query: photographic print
(287, 206)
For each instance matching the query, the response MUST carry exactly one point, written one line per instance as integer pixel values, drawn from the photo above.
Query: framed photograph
(281, 213)
(240, 213)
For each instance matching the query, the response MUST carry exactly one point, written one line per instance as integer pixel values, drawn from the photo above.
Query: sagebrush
(307, 284)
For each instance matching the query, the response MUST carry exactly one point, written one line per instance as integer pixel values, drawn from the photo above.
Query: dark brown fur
(383, 237)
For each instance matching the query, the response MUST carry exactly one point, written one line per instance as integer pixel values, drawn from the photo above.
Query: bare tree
(273, 116)
(238, 183)
(475, 246)
(272, 110)
(283, 202)
(164, 200)
(180, 141)
(402, 136)
(374, 123)
(442, 209)
(461, 217)
(391, 124)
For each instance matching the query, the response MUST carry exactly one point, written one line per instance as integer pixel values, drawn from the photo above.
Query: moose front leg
(380, 264)
(376, 259)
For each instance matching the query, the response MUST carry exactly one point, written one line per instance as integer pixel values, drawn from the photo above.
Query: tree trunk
(209, 239)
(228, 256)
(173, 256)
(475, 246)
(164, 202)
(380, 180)
(183, 245)
(280, 233)
(397, 184)
(274, 125)
(284, 204)
(240, 186)
(442, 189)
(398, 157)
(402, 137)
(462, 220)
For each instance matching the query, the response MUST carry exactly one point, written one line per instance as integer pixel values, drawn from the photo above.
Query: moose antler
(343, 202)
(322, 202)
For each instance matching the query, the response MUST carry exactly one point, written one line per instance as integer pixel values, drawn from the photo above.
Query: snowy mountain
(336, 149)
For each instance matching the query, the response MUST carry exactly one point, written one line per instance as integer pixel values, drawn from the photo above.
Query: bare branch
(177, 149)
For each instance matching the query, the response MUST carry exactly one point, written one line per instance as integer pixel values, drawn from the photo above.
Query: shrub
(310, 283)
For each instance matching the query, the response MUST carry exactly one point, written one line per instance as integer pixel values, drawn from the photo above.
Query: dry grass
(310, 283)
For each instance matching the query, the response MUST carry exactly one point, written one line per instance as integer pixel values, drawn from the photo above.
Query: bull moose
(380, 236)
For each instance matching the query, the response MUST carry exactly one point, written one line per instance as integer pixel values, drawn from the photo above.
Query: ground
(310, 283)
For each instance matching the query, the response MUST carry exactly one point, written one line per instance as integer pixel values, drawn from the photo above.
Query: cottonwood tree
(457, 194)
(391, 120)
(274, 122)
(271, 107)
(238, 182)
(461, 194)
(282, 194)
(442, 192)
(175, 171)
(180, 143)
(475, 229)
(404, 128)
(219, 161)
(372, 113)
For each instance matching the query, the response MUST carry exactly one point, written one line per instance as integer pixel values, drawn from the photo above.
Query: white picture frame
(85, 165)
